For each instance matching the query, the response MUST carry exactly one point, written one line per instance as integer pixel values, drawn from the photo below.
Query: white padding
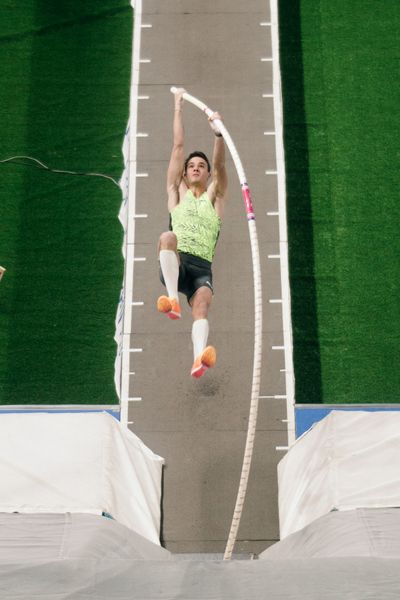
(346, 461)
(86, 463)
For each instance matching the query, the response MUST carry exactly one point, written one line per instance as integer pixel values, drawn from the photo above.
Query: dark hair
(201, 155)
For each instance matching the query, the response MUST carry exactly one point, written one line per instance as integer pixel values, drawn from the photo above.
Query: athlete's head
(200, 155)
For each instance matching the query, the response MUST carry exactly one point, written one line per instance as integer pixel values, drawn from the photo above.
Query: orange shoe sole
(169, 306)
(206, 360)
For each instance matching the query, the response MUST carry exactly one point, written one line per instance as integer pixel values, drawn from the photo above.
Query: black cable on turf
(40, 165)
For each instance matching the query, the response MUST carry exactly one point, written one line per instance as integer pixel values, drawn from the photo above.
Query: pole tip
(173, 89)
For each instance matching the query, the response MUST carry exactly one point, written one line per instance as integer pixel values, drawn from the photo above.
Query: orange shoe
(169, 306)
(204, 361)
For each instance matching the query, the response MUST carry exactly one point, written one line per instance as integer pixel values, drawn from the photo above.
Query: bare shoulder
(183, 188)
(219, 205)
(173, 197)
(217, 198)
(176, 195)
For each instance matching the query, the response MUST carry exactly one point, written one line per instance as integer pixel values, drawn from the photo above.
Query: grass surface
(64, 98)
(339, 68)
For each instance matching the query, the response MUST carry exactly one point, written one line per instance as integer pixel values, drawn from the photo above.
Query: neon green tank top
(196, 225)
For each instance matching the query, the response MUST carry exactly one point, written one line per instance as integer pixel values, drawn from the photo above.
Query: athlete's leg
(204, 356)
(169, 263)
(200, 331)
(201, 302)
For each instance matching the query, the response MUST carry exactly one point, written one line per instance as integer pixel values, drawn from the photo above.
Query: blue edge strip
(305, 414)
(113, 411)
(308, 414)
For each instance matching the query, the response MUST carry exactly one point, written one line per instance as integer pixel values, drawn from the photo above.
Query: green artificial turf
(64, 99)
(341, 101)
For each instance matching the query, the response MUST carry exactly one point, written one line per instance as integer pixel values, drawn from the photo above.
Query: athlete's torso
(196, 225)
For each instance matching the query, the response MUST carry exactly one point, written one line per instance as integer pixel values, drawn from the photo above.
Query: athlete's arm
(176, 163)
(217, 190)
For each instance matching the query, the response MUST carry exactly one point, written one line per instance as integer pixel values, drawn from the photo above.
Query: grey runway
(214, 49)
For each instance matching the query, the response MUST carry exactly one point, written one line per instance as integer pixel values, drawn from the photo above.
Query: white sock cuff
(200, 330)
(166, 253)
(170, 269)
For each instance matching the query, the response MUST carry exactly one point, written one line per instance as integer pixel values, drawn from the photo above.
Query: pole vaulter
(255, 389)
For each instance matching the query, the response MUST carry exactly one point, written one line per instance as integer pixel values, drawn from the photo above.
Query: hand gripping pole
(255, 389)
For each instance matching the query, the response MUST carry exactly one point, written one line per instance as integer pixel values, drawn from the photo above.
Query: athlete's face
(197, 171)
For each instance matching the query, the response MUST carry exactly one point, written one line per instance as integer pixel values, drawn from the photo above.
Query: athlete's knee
(167, 241)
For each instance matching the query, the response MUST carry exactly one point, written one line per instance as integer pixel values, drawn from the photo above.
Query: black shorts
(194, 273)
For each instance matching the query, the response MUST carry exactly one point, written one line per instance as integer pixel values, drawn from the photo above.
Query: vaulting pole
(255, 388)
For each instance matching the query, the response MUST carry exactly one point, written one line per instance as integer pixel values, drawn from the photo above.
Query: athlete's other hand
(215, 116)
(179, 97)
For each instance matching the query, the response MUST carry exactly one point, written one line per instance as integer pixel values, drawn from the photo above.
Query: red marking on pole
(248, 202)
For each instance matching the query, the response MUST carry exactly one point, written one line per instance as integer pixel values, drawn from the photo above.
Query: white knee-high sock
(200, 329)
(170, 269)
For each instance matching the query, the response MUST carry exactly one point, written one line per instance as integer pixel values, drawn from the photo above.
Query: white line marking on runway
(273, 214)
(129, 247)
(275, 301)
(281, 183)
